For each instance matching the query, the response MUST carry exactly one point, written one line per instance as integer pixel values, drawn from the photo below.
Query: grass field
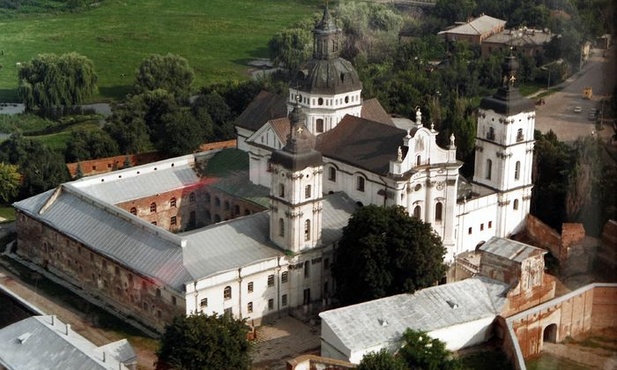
(218, 37)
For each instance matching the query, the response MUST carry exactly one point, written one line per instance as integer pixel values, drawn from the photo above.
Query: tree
(85, 145)
(384, 251)
(168, 72)
(203, 342)
(291, 47)
(180, 133)
(128, 127)
(10, 179)
(420, 351)
(382, 360)
(53, 83)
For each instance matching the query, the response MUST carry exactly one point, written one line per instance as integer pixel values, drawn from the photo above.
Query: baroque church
(144, 240)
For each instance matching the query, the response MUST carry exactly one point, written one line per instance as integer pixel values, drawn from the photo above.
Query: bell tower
(504, 149)
(296, 191)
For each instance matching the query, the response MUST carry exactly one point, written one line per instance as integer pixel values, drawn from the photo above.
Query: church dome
(328, 77)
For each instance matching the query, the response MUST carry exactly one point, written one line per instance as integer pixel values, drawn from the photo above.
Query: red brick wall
(604, 313)
(571, 234)
(124, 289)
(543, 236)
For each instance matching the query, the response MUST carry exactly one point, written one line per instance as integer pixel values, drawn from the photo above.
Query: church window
(515, 206)
(360, 184)
(152, 207)
(227, 293)
(281, 190)
(307, 230)
(438, 211)
(250, 287)
(418, 160)
(319, 125)
(203, 303)
(307, 191)
(249, 307)
(133, 211)
(307, 269)
(172, 202)
(490, 224)
(284, 276)
(491, 133)
(332, 174)
(320, 101)
(519, 135)
(192, 197)
(470, 231)
(517, 170)
(347, 99)
(489, 169)
(417, 211)
(270, 280)
(281, 227)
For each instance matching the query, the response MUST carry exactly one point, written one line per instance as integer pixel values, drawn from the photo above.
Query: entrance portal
(550, 334)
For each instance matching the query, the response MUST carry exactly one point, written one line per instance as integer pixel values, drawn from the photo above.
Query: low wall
(588, 308)
(312, 362)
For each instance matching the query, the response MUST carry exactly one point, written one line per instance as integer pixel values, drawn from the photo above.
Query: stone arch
(550, 333)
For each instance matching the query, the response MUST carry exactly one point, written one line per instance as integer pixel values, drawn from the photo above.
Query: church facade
(147, 241)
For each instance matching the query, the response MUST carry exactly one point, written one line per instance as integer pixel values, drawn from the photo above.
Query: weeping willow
(51, 82)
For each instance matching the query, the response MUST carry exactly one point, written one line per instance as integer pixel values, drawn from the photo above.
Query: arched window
(319, 125)
(227, 293)
(307, 191)
(307, 269)
(515, 206)
(332, 174)
(152, 207)
(517, 170)
(489, 169)
(133, 211)
(438, 211)
(418, 160)
(172, 202)
(307, 230)
(281, 227)
(360, 184)
(217, 202)
(281, 190)
(320, 101)
(417, 211)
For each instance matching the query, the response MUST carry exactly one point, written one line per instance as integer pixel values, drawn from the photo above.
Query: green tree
(127, 126)
(384, 251)
(53, 83)
(382, 360)
(10, 179)
(203, 342)
(292, 47)
(420, 351)
(168, 72)
(85, 145)
(451, 11)
(180, 133)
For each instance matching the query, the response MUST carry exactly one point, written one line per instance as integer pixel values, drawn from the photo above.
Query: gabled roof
(479, 26)
(264, 107)
(382, 322)
(42, 343)
(363, 143)
(510, 249)
(373, 111)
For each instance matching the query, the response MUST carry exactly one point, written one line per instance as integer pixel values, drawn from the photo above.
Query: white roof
(478, 26)
(37, 344)
(383, 321)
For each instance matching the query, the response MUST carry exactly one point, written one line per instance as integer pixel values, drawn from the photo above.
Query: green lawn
(218, 37)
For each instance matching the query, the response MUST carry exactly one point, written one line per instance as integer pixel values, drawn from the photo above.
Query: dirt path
(597, 350)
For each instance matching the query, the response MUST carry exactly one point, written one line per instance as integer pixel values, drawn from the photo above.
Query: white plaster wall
(474, 213)
(464, 335)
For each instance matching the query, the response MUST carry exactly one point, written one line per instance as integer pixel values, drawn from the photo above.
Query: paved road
(558, 112)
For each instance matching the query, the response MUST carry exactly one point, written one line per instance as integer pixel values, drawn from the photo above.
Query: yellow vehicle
(587, 92)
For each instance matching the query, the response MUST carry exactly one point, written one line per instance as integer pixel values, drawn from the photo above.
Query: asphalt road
(558, 113)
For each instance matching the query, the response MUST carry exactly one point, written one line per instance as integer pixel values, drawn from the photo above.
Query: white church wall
(476, 222)
(465, 335)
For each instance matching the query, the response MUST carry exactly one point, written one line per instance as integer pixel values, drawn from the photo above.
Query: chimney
(68, 329)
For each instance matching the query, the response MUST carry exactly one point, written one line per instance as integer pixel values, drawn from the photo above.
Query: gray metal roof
(111, 232)
(510, 249)
(383, 321)
(139, 182)
(35, 344)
